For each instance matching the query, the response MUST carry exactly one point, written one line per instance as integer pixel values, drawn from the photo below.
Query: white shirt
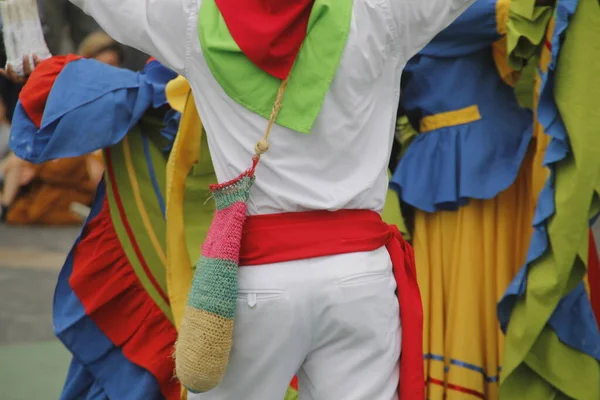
(342, 163)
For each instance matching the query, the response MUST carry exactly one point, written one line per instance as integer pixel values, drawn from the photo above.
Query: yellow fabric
(465, 261)
(137, 195)
(502, 13)
(509, 75)
(185, 153)
(450, 118)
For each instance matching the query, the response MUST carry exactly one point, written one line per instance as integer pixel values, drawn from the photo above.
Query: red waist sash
(594, 277)
(277, 238)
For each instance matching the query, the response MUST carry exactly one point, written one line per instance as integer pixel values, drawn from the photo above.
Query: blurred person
(46, 193)
(134, 195)
(60, 17)
(103, 48)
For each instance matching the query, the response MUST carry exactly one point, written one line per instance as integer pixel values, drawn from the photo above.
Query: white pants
(333, 321)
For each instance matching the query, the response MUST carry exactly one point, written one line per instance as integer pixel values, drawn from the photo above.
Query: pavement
(33, 364)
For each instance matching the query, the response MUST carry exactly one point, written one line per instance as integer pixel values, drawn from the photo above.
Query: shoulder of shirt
(389, 11)
(191, 9)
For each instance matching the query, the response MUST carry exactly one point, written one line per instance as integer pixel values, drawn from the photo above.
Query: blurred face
(109, 57)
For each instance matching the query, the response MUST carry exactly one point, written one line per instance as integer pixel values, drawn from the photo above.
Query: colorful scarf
(250, 48)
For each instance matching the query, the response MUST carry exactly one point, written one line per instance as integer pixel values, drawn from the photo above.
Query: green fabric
(291, 394)
(536, 364)
(123, 188)
(405, 133)
(214, 288)
(238, 192)
(525, 87)
(310, 78)
(392, 213)
(526, 29)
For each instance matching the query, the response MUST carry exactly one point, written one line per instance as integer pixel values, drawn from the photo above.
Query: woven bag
(206, 334)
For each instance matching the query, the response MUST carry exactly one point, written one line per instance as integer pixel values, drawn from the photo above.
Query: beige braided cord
(263, 145)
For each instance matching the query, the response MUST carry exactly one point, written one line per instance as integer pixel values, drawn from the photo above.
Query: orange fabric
(47, 198)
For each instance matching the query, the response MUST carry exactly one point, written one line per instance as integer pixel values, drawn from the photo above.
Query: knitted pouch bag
(206, 334)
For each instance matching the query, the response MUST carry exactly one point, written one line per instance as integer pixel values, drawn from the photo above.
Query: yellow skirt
(465, 261)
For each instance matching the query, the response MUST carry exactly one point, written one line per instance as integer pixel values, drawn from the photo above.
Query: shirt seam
(192, 13)
(392, 26)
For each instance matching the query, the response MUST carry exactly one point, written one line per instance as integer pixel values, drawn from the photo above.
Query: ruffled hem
(443, 169)
(81, 385)
(572, 320)
(99, 300)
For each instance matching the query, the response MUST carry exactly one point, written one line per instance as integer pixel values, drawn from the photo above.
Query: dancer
(131, 163)
(546, 311)
(467, 175)
(329, 151)
(130, 324)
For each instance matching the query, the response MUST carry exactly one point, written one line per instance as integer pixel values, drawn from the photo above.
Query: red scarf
(269, 32)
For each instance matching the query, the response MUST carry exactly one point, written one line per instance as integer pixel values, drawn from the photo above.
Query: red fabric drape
(269, 32)
(292, 236)
(594, 277)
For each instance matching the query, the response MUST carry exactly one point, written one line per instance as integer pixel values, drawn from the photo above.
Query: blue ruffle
(443, 169)
(104, 362)
(573, 319)
(91, 106)
(80, 384)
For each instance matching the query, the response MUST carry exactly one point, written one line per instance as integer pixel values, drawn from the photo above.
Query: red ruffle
(112, 295)
(594, 277)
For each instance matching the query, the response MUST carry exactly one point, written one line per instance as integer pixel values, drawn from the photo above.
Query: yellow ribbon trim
(135, 188)
(450, 118)
(185, 153)
(502, 14)
(509, 75)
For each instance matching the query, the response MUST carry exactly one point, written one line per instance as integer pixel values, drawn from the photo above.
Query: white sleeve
(419, 21)
(156, 27)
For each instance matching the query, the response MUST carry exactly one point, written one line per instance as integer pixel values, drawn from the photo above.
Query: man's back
(342, 162)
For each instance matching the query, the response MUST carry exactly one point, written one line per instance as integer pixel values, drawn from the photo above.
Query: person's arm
(418, 21)
(156, 27)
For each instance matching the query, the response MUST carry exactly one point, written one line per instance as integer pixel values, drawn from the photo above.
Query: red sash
(594, 277)
(276, 238)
